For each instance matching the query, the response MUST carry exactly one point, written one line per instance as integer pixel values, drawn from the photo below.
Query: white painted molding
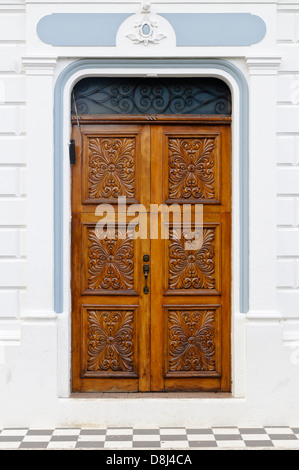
(39, 65)
(291, 337)
(10, 335)
(263, 65)
(272, 316)
(13, 8)
(290, 332)
(45, 315)
(289, 7)
(262, 167)
(39, 88)
(159, 33)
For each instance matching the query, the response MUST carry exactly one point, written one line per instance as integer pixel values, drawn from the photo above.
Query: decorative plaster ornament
(146, 7)
(146, 30)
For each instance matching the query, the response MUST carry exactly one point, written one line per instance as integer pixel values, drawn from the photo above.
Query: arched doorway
(151, 313)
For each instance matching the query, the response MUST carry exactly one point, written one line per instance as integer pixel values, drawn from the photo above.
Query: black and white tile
(271, 437)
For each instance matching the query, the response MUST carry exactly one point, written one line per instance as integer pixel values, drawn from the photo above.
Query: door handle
(146, 270)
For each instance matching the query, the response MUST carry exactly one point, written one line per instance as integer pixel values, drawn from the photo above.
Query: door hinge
(72, 148)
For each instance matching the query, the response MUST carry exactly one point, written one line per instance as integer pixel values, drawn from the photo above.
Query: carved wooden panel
(192, 266)
(111, 167)
(192, 168)
(109, 339)
(193, 341)
(176, 335)
(108, 260)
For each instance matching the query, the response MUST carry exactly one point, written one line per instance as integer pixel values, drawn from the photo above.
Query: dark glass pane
(135, 95)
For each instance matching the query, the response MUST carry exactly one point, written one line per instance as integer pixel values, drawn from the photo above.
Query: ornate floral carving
(191, 168)
(110, 340)
(111, 263)
(192, 269)
(191, 340)
(146, 31)
(111, 167)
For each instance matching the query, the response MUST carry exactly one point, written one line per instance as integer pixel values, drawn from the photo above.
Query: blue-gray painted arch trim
(128, 64)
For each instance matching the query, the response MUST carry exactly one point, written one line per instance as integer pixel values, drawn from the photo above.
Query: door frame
(65, 82)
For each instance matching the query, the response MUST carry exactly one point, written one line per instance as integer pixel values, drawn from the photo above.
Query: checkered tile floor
(162, 438)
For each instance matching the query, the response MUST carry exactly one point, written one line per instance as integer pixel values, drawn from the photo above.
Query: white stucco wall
(12, 170)
(34, 341)
(287, 168)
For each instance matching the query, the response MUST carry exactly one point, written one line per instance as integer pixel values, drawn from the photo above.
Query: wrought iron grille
(135, 95)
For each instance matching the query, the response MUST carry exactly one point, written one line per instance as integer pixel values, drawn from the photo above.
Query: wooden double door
(151, 299)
